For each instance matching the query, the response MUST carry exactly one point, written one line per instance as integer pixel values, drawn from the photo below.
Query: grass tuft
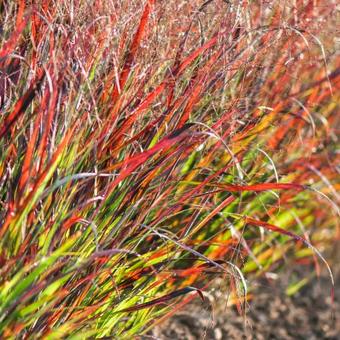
(139, 141)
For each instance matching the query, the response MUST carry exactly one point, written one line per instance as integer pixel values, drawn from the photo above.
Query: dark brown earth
(309, 314)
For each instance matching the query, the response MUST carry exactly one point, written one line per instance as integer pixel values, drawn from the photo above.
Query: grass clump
(147, 147)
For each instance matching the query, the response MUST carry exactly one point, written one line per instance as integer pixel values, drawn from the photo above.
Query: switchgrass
(148, 147)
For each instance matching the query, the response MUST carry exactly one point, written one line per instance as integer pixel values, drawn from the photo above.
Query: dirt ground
(309, 314)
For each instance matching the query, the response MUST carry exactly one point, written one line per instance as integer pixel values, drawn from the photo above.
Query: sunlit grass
(147, 148)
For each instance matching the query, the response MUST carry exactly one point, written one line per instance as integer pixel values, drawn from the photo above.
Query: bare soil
(309, 314)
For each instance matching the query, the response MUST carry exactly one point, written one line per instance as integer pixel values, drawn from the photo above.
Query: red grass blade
(22, 103)
(21, 23)
(261, 187)
(133, 49)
